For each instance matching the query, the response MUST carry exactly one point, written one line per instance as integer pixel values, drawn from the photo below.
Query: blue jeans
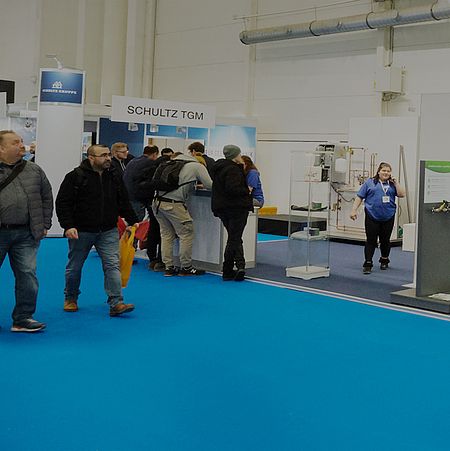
(107, 246)
(22, 249)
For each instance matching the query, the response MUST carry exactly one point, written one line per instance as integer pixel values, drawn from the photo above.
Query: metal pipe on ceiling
(391, 18)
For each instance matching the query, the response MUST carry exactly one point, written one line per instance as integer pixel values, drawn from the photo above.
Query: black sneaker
(384, 263)
(159, 267)
(367, 267)
(227, 276)
(27, 325)
(170, 271)
(191, 271)
(240, 275)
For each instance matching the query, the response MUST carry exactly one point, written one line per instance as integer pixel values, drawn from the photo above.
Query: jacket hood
(220, 165)
(86, 166)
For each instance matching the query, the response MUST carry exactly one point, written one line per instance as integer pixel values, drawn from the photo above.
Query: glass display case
(309, 210)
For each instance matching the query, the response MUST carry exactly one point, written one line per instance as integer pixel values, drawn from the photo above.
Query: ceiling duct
(390, 18)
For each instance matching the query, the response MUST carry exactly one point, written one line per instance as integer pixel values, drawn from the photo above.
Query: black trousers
(153, 237)
(234, 223)
(375, 230)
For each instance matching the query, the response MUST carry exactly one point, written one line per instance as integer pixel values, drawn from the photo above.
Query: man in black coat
(89, 202)
(141, 199)
(231, 202)
(121, 156)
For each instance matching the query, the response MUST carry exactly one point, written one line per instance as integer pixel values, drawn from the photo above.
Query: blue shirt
(253, 181)
(373, 193)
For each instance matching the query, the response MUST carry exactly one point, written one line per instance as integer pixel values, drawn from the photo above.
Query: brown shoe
(70, 306)
(120, 308)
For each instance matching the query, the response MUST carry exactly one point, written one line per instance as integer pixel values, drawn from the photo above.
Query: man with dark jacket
(141, 199)
(89, 201)
(120, 157)
(26, 207)
(231, 201)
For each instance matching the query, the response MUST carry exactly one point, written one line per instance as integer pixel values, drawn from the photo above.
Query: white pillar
(59, 127)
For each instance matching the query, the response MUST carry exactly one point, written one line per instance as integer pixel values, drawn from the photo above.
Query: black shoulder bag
(15, 172)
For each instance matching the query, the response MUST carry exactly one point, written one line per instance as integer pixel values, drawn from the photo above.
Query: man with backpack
(89, 202)
(174, 182)
(138, 181)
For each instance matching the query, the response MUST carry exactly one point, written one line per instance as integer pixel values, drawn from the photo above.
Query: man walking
(89, 201)
(26, 207)
(231, 202)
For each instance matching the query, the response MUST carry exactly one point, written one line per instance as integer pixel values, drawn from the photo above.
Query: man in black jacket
(141, 199)
(89, 201)
(121, 156)
(231, 201)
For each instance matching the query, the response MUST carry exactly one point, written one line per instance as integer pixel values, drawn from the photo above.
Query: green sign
(438, 166)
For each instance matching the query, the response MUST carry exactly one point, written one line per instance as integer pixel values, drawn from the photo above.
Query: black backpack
(167, 176)
(144, 190)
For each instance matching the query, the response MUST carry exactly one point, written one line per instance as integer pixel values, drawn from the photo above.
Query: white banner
(162, 112)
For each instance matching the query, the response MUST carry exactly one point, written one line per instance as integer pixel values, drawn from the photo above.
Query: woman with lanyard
(379, 194)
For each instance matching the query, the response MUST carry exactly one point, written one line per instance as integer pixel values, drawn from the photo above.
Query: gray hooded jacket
(191, 172)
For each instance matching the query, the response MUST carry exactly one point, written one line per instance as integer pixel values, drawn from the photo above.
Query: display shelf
(308, 248)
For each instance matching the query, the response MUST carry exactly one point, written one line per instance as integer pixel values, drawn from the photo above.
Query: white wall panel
(316, 115)
(179, 15)
(18, 30)
(201, 83)
(93, 56)
(321, 77)
(59, 32)
(200, 47)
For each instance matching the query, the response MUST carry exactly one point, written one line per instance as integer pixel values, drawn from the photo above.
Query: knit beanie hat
(231, 151)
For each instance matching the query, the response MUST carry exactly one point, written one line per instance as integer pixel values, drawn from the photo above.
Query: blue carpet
(207, 365)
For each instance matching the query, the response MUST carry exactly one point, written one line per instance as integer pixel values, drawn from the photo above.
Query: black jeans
(375, 230)
(234, 222)
(153, 237)
(154, 233)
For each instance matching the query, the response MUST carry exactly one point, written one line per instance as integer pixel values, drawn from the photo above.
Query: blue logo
(61, 87)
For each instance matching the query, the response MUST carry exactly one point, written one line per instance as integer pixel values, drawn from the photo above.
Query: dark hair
(91, 150)
(376, 177)
(197, 147)
(167, 151)
(248, 164)
(150, 150)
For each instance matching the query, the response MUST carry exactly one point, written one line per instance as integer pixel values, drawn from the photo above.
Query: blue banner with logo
(61, 87)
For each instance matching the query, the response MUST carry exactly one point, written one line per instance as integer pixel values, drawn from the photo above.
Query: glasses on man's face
(103, 155)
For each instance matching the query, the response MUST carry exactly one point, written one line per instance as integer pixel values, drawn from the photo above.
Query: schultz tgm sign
(162, 112)
(61, 86)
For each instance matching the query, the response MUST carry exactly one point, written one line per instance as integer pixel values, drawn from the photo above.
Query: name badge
(386, 199)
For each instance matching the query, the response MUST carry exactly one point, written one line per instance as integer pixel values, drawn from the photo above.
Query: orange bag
(127, 250)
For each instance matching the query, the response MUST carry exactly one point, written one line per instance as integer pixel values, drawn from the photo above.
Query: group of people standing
(88, 204)
(93, 196)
